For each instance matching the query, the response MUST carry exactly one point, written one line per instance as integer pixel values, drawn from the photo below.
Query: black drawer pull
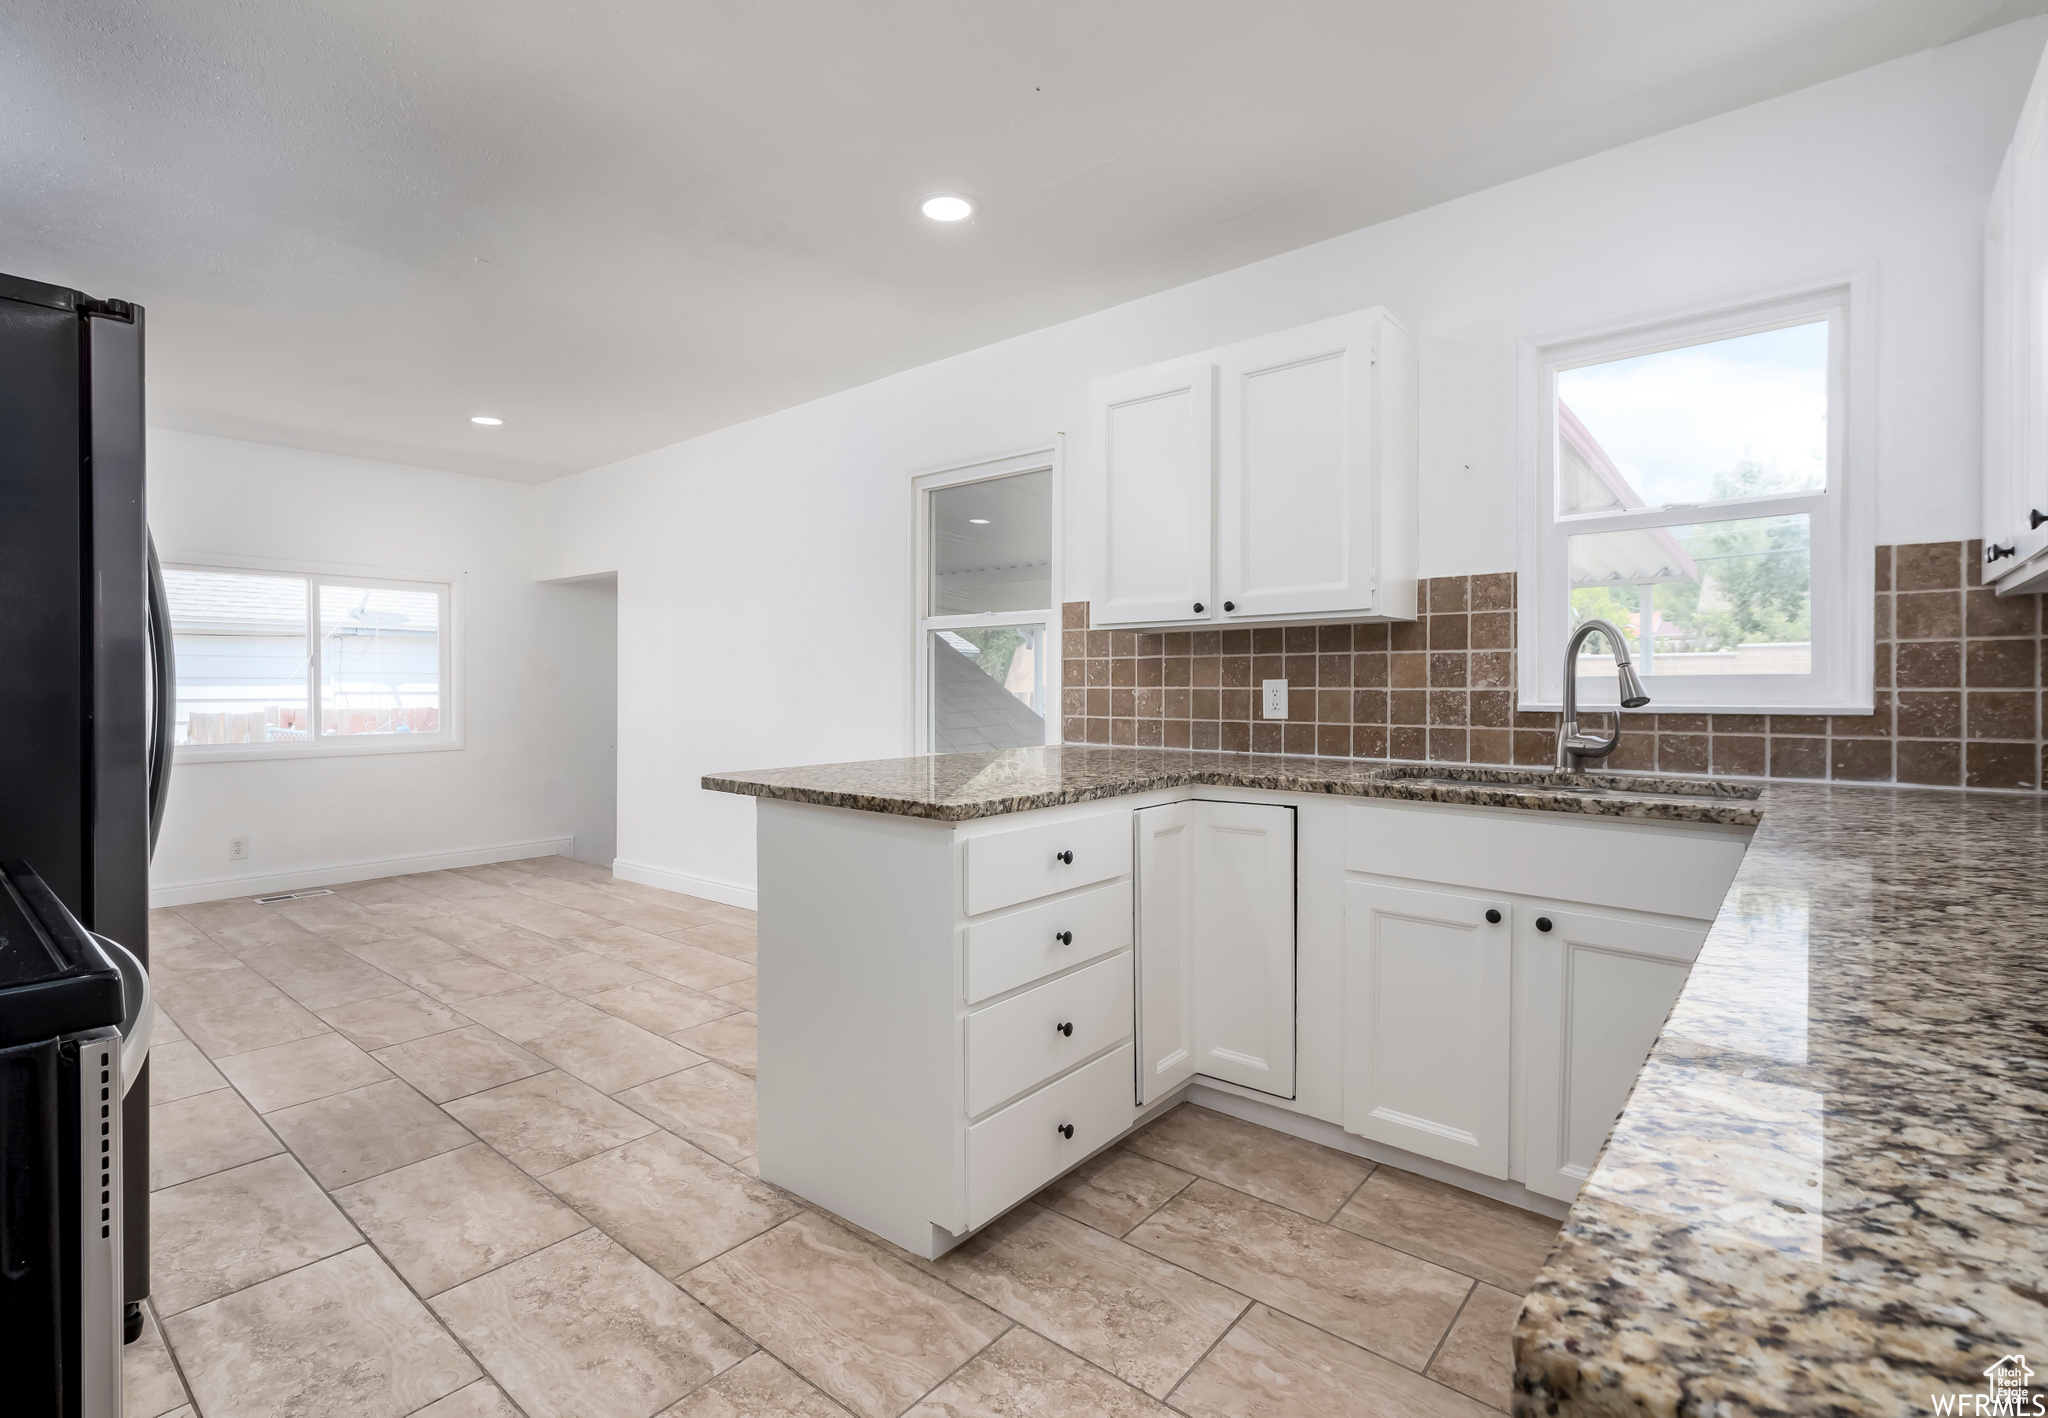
(1066, 1029)
(1065, 1129)
(1067, 857)
(1492, 915)
(1543, 923)
(1063, 937)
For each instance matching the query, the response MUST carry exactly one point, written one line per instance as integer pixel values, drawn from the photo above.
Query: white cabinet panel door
(1244, 944)
(1152, 438)
(1599, 989)
(1427, 982)
(1295, 471)
(1166, 967)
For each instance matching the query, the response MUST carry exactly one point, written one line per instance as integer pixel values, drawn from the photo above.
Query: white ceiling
(618, 225)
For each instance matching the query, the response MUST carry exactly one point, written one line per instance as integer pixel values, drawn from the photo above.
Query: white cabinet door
(1166, 967)
(1152, 438)
(2005, 491)
(1598, 990)
(1295, 469)
(2016, 352)
(1427, 982)
(1244, 944)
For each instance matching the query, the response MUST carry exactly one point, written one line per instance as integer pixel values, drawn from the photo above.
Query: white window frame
(316, 574)
(1841, 517)
(1049, 458)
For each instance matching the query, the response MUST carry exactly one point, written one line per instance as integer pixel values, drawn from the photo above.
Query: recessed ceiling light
(486, 420)
(979, 521)
(947, 207)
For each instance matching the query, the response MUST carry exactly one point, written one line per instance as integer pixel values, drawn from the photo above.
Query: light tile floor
(480, 1143)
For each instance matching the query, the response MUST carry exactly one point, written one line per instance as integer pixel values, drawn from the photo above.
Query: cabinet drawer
(1024, 863)
(1020, 1149)
(1016, 1044)
(1017, 949)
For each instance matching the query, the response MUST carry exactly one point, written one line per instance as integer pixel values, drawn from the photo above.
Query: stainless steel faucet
(1573, 747)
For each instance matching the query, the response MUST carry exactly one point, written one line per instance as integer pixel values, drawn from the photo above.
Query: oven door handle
(140, 1004)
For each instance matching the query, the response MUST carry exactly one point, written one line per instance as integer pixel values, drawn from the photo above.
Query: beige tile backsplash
(1957, 689)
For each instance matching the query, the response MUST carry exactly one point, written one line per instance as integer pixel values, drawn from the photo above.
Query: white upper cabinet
(1299, 442)
(1153, 432)
(2016, 357)
(1309, 464)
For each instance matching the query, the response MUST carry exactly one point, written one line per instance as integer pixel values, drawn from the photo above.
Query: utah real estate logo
(2006, 1390)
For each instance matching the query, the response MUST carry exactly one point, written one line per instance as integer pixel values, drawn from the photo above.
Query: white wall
(764, 570)
(539, 670)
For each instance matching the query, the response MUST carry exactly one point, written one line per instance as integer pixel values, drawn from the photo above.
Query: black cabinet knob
(1065, 1129)
(1063, 937)
(1198, 607)
(1230, 605)
(1067, 857)
(1492, 916)
(2035, 517)
(1543, 923)
(1066, 1029)
(1995, 551)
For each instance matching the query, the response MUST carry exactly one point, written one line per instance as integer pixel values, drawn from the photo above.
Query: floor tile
(204, 1134)
(178, 1070)
(546, 1122)
(544, 917)
(482, 1399)
(1357, 1289)
(399, 951)
(214, 1235)
(720, 937)
(1503, 1245)
(701, 970)
(583, 973)
(366, 1131)
(870, 1331)
(393, 1019)
(287, 1074)
(460, 1062)
(528, 1012)
(338, 979)
(584, 1330)
(663, 1006)
(651, 916)
(731, 1040)
(1023, 1375)
(167, 1030)
(505, 945)
(1302, 1176)
(741, 993)
(1272, 1366)
(1115, 1190)
(1477, 1357)
(238, 1028)
(150, 1386)
(609, 1054)
(455, 981)
(453, 1217)
(668, 1203)
(452, 886)
(709, 1105)
(341, 1338)
(1144, 1320)
(190, 991)
(756, 1387)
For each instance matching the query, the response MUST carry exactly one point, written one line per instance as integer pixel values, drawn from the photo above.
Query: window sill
(286, 752)
(1673, 706)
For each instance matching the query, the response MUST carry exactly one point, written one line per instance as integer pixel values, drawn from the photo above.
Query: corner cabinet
(2016, 358)
(1269, 480)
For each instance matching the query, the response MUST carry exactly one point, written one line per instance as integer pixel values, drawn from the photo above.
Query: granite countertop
(954, 787)
(1828, 1193)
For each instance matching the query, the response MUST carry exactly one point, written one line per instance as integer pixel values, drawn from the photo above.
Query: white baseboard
(726, 892)
(220, 888)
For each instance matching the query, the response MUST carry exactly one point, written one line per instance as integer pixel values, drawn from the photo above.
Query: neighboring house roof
(1642, 558)
(975, 712)
(249, 603)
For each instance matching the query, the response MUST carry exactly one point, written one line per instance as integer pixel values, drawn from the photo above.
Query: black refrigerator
(84, 644)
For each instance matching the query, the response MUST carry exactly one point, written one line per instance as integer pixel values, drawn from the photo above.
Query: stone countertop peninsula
(954, 787)
(1828, 1193)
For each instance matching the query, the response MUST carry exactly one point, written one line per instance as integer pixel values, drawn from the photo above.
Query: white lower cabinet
(1017, 1151)
(1216, 946)
(1428, 979)
(1599, 988)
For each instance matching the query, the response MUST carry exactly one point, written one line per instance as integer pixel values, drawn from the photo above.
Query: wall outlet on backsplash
(1276, 698)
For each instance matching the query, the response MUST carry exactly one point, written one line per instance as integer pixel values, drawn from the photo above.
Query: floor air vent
(292, 896)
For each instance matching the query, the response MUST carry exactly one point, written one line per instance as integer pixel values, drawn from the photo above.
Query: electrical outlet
(1275, 698)
(238, 849)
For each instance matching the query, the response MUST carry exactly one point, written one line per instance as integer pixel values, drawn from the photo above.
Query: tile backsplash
(1957, 692)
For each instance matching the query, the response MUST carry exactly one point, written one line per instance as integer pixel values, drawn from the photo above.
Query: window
(280, 663)
(987, 630)
(1698, 488)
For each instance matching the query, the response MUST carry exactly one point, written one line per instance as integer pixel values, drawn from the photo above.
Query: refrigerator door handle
(163, 695)
(137, 1028)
